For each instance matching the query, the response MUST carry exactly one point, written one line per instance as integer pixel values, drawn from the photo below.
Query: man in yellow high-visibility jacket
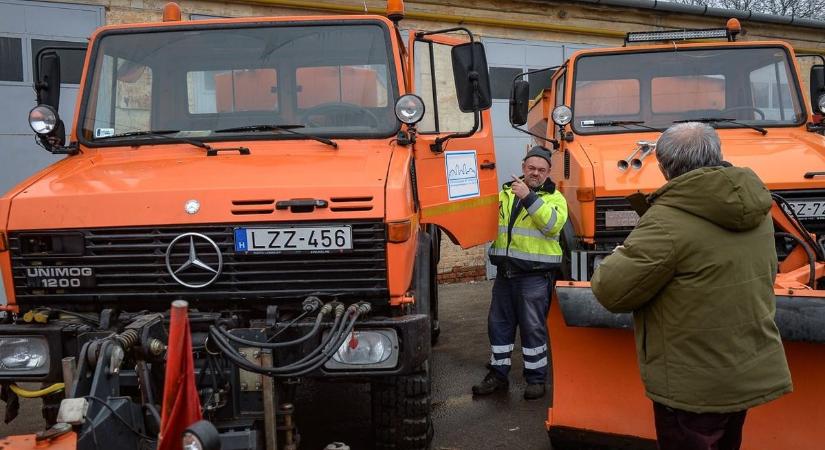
(526, 254)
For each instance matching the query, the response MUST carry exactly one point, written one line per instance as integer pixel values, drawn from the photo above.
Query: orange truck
(603, 114)
(289, 177)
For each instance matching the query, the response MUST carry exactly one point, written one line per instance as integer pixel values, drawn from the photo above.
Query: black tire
(425, 283)
(435, 258)
(401, 418)
(568, 244)
(435, 325)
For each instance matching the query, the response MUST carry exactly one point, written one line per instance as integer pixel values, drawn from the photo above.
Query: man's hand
(519, 187)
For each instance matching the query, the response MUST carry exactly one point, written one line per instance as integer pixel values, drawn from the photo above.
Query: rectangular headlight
(367, 349)
(24, 355)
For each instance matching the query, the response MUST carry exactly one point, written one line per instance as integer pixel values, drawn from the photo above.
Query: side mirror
(44, 119)
(519, 101)
(47, 78)
(472, 82)
(817, 83)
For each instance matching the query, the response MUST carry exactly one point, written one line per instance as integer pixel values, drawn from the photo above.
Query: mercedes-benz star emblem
(194, 264)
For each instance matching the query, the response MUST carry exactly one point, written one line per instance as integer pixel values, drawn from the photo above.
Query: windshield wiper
(159, 134)
(617, 123)
(724, 120)
(286, 127)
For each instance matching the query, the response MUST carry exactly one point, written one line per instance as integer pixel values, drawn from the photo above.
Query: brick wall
(458, 265)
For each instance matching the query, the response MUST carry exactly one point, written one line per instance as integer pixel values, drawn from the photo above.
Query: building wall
(566, 24)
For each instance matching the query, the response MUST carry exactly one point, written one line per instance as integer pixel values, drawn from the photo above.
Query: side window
(71, 59)
(130, 84)
(771, 92)
(501, 81)
(539, 82)
(221, 91)
(434, 83)
(11, 59)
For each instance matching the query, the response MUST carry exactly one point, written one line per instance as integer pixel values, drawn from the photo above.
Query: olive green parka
(697, 272)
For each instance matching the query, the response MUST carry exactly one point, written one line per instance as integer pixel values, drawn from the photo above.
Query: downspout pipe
(709, 11)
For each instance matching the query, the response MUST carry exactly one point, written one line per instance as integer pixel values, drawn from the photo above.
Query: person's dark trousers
(523, 302)
(683, 430)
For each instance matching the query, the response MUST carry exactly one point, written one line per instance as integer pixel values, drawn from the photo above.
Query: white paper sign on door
(462, 174)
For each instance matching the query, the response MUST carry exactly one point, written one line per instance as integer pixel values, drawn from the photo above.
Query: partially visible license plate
(293, 239)
(808, 209)
(60, 277)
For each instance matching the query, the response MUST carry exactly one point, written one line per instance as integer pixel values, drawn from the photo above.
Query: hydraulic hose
(326, 356)
(808, 251)
(310, 362)
(791, 215)
(340, 329)
(25, 393)
(247, 342)
(233, 356)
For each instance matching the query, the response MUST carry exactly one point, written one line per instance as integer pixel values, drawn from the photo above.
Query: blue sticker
(240, 240)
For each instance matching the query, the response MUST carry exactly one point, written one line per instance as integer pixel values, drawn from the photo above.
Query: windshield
(749, 85)
(323, 80)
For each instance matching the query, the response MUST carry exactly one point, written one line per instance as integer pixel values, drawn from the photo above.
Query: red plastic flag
(181, 404)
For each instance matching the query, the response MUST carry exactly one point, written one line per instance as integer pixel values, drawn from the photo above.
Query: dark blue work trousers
(521, 302)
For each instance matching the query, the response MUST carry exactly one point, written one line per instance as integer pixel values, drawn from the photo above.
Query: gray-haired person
(697, 272)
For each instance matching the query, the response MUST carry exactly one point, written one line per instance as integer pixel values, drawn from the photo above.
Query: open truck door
(455, 161)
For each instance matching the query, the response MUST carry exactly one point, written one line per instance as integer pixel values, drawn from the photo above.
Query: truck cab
(603, 115)
(607, 106)
(289, 177)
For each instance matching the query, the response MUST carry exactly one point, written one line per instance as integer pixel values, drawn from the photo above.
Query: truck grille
(603, 205)
(813, 224)
(129, 265)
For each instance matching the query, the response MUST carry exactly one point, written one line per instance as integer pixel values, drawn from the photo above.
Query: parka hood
(732, 197)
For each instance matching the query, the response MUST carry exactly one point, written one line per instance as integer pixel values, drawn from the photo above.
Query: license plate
(293, 239)
(60, 277)
(808, 209)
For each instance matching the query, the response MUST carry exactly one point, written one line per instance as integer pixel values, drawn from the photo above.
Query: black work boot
(534, 391)
(490, 384)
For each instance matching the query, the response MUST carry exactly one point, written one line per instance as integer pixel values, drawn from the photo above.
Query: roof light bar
(676, 35)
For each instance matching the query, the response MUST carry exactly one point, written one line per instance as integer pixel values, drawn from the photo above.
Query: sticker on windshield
(104, 132)
(462, 174)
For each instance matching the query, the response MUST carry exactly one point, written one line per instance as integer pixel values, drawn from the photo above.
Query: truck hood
(780, 159)
(150, 185)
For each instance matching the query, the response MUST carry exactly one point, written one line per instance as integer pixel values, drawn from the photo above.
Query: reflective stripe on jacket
(532, 245)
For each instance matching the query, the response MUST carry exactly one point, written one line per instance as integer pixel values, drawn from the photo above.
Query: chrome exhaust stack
(643, 149)
(624, 164)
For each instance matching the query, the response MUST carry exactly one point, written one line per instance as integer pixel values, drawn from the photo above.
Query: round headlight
(409, 109)
(42, 119)
(201, 435)
(562, 115)
(820, 103)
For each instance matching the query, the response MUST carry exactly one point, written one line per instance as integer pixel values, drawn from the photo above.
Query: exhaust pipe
(624, 164)
(643, 149)
(646, 149)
